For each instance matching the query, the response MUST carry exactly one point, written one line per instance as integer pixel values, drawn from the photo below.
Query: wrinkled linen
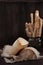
(24, 54)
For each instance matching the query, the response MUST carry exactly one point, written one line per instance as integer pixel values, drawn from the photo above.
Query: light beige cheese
(19, 44)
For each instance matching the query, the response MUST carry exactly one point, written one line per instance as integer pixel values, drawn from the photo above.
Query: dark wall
(9, 23)
(13, 16)
(21, 0)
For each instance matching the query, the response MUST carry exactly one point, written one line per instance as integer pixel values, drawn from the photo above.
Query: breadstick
(40, 31)
(38, 20)
(26, 25)
(31, 15)
(32, 21)
(36, 26)
(28, 32)
(37, 13)
(29, 29)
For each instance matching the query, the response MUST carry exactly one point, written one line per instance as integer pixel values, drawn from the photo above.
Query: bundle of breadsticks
(34, 28)
(20, 50)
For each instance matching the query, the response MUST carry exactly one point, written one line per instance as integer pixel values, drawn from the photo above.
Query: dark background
(13, 16)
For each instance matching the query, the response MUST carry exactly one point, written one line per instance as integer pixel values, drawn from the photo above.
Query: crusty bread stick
(36, 24)
(26, 25)
(40, 31)
(29, 29)
(28, 32)
(31, 15)
(36, 13)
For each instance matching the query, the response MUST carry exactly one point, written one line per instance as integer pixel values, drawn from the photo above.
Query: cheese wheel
(29, 53)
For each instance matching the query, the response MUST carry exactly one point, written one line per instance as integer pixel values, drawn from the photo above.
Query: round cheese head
(29, 53)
